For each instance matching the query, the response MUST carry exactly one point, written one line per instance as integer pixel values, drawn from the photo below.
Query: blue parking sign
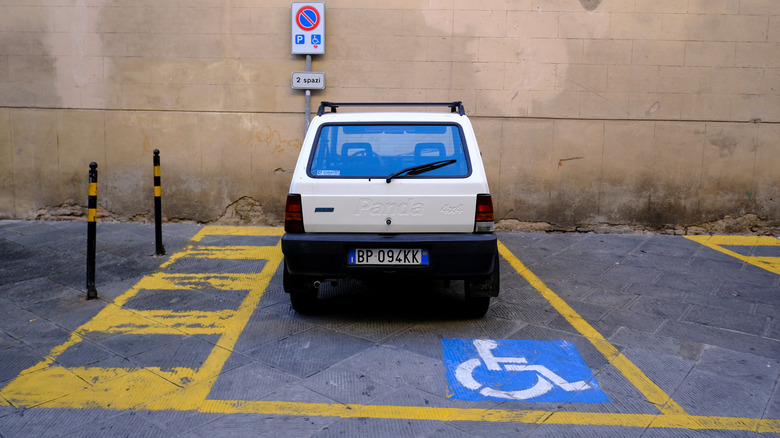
(519, 370)
(300, 39)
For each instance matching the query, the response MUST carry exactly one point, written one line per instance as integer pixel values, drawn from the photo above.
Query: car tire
(303, 294)
(477, 301)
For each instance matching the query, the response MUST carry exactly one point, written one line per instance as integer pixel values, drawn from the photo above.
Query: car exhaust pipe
(317, 284)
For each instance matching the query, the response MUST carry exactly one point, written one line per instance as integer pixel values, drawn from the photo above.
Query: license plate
(388, 256)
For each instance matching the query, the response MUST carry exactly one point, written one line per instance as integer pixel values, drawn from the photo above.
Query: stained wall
(649, 113)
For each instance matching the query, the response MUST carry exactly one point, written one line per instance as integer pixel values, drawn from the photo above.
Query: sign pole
(308, 38)
(307, 112)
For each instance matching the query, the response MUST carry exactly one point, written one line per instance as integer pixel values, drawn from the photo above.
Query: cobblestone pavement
(592, 335)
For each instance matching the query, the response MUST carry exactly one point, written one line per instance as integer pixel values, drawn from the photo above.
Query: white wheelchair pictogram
(546, 379)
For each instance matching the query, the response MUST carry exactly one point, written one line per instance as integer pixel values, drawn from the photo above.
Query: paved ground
(593, 335)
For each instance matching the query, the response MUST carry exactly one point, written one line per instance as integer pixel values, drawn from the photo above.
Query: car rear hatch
(391, 176)
(402, 206)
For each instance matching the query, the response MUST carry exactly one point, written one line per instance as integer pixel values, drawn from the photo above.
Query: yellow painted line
(737, 240)
(232, 252)
(51, 385)
(186, 389)
(107, 389)
(490, 415)
(164, 322)
(716, 423)
(647, 387)
(222, 230)
(771, 264)
(225, 230)
(374, 411)
(227, 252)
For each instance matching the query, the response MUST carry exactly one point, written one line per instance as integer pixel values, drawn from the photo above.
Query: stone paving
(681, 334)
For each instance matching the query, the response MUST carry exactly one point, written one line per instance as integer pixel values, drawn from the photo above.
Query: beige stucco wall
(639, 112)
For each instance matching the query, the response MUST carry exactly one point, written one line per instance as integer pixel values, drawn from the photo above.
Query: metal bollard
(91, 230)
(159, 248)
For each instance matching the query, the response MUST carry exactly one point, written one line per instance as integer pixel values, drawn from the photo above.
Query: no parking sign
(308, 28)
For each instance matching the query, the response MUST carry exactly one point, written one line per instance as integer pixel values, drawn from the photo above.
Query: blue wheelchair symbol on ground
(519, 370)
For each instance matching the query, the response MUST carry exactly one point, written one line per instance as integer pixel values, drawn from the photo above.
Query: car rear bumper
(452, 256)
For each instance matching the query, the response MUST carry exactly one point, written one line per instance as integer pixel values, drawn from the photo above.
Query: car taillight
(293, 214)
(484, 218)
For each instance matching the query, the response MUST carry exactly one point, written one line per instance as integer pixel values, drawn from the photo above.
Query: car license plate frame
(388, 257)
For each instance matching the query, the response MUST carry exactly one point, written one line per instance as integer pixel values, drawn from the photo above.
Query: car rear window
(379, 150)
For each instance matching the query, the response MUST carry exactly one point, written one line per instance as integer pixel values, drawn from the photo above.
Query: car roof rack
(455, 107)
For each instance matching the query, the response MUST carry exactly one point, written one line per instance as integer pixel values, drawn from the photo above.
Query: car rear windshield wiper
(422, 168)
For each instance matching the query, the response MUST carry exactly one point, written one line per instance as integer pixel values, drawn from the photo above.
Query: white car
(378, 194)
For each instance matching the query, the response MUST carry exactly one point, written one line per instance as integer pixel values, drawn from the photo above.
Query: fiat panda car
(390, 194)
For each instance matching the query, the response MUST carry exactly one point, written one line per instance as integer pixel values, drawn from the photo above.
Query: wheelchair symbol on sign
(546, 379)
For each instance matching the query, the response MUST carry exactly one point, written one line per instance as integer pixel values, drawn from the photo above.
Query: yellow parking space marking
(226, 230)
(719, 243)
(695, 422)
(53, 385)
(650, 390)
(229, 253)
(49, 384)
(737, 240)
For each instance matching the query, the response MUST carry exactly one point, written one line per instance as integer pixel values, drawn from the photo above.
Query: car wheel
(303, 294)
(478, 292)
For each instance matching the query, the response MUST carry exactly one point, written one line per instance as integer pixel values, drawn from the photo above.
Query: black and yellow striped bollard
(159, 248)
(91, 230)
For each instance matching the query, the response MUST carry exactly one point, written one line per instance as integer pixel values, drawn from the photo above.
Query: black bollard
(91, 230)
(159, 248)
